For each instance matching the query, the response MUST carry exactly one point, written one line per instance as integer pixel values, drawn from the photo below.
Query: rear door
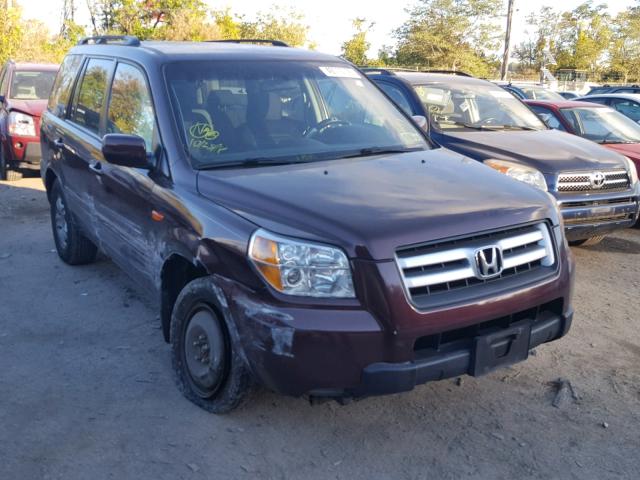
(125, 198)
(80, 142)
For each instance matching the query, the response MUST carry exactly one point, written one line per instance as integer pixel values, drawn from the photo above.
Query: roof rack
(386, 70)
(275, 43)
(451, 72)
(392, 70)
(126, 40)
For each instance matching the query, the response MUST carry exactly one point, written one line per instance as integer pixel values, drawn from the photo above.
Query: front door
(125, 206)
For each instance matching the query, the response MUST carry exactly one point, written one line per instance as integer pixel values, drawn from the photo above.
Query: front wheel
(587, 242)
(6, 173)
(72, 246)
(209, 369)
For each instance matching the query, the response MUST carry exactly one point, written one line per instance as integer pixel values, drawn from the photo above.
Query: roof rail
(126, 40)
(450, 72)
(275, 43)
(392, 70)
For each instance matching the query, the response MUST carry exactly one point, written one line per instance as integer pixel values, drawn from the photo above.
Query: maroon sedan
(592, 121)
(24, 90)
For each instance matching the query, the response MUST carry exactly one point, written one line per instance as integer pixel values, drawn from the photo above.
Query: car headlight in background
(633, 171)
(297, 267)
(21, 124)
(519, 172)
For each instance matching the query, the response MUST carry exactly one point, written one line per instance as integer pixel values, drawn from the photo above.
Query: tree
(355, 49)
(10, 32)
(584, 35)
(451, 34)
(624, 51)
(287, 26)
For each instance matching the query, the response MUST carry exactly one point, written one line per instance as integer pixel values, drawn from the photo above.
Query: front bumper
(386, 378)
(340, 349)
(25, 152)
(589, 215)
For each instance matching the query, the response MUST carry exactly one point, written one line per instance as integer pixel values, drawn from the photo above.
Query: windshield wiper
(251, 163)
(370, 151)
(493, 127)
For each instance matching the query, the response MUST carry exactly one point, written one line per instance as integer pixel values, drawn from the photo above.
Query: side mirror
(2, 99)
(422, 122)
(125, 150)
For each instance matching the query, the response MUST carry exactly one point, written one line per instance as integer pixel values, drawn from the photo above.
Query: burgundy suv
(24, 90)
(297, 228)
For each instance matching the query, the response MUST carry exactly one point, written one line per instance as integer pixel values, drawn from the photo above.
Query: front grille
(447, 271)
(584, 181)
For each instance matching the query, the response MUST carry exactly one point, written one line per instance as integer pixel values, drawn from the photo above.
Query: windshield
(602, 125)
(540, 93)
(31, 85)
(267, 112)
(479, 107)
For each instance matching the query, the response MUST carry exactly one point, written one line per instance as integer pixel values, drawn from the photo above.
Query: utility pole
(507, 43)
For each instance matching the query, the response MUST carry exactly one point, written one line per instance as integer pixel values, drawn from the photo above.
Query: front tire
(5, 172)
(587, 242)
(209, 369)
(72, 246)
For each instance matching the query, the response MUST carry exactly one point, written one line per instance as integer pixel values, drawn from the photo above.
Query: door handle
(96, 167)
(59, 143)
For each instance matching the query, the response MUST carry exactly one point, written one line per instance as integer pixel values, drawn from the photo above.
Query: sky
(329, 20)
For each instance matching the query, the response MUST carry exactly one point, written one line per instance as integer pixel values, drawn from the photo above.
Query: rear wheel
(208, 367)
(587, 242)
(72, 246)
(5, 172)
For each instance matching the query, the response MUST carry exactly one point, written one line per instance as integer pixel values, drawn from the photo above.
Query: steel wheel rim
(204, 351)
(62, 228)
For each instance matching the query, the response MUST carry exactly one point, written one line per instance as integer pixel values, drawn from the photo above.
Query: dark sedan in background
(596, 188)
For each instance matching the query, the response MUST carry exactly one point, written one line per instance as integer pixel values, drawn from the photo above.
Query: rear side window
(130, 107)
(90, 97)
(61, 91)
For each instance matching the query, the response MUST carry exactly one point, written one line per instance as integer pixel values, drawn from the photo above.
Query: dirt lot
(86, 389)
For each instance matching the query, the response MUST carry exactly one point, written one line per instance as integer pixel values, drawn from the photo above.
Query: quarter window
(61, 91)
(91, 95)
(130, 107)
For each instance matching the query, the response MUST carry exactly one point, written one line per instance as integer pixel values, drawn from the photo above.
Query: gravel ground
(86, 388)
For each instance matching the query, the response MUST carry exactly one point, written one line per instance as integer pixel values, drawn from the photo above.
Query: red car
(24, 91)
(593, 121)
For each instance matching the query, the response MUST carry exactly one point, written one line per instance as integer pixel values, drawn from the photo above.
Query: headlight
(21, 124)
(296, 267)
(519, 172)
(633, 171)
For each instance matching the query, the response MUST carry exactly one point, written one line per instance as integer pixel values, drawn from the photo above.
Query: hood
(371, 206)
(549, 151)
(30, 107)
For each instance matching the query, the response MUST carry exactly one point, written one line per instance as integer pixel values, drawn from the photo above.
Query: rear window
(31, 85)
(61, 92)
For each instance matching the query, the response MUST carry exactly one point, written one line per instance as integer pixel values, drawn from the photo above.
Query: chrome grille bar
(581, 181)
(452, 264)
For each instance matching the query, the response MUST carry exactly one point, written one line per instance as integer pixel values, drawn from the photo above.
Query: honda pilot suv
(299, 231)
(597, 189)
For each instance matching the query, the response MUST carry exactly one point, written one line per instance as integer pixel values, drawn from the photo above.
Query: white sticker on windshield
(340, 72)
(500, 94)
